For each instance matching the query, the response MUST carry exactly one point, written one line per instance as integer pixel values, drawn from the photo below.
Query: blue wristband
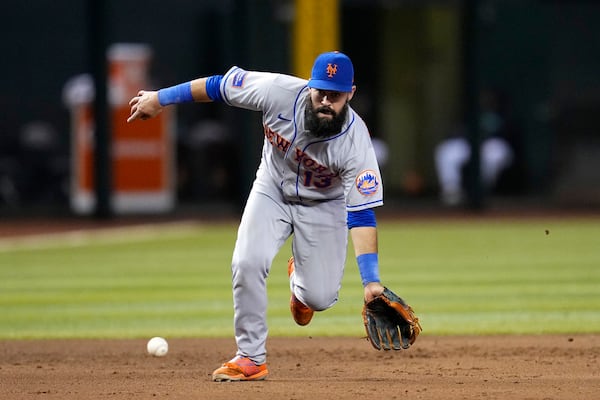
(368, 266)
(181, 93)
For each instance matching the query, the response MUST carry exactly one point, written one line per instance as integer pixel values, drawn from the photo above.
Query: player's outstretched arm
(364, 239)
(148, 103)
(374, 288)
(389, 321)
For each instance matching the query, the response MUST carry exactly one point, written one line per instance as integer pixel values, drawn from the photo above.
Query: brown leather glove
(390, 322)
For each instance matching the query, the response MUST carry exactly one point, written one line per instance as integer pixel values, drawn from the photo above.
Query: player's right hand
(145, 105)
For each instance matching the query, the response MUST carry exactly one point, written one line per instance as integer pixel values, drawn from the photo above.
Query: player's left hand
(145, 105)
(390, 322)
(373, 290)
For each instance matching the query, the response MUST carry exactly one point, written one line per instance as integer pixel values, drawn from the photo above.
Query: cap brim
(328, 85)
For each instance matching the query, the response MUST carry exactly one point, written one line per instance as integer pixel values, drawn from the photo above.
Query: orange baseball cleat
(240, 369)
(302, 313)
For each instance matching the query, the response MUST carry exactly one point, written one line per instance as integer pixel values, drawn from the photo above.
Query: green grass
(479, 276)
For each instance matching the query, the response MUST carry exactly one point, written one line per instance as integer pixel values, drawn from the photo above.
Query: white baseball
(158, 347)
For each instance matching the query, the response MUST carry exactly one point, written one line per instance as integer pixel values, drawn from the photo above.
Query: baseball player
(318, 177)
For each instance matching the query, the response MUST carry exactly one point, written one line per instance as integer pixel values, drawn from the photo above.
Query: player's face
(326, 112)
(327, 103)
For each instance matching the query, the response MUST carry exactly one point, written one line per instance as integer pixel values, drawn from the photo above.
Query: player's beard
(324, 127)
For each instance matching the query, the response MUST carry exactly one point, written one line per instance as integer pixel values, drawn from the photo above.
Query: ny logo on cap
(331, 70)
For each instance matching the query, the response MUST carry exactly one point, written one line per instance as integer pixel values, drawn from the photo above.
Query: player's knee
(249, 268)
(318, 300)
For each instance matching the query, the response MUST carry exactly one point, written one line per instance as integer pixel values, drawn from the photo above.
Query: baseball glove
(390, 322)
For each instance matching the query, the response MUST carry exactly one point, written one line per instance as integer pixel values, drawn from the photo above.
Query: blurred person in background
(497, 136)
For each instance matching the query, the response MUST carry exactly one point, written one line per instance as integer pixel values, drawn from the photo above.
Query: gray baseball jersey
(303, 188)
(305, 167)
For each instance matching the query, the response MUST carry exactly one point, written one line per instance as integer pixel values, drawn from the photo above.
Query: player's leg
(262, 232)
(319, 248)
(496, 155)
(450, 156)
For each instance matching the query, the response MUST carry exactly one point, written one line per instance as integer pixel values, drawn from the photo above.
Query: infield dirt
(502, 367)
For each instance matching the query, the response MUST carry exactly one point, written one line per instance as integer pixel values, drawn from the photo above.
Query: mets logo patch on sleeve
(238, 79)
(367, 183)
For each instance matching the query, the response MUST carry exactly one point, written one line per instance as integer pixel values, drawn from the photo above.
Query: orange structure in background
(143, 155)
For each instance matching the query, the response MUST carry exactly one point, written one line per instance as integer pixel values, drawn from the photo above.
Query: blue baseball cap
(332, 71)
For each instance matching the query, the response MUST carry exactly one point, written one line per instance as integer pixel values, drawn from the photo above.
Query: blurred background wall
(419, 65)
